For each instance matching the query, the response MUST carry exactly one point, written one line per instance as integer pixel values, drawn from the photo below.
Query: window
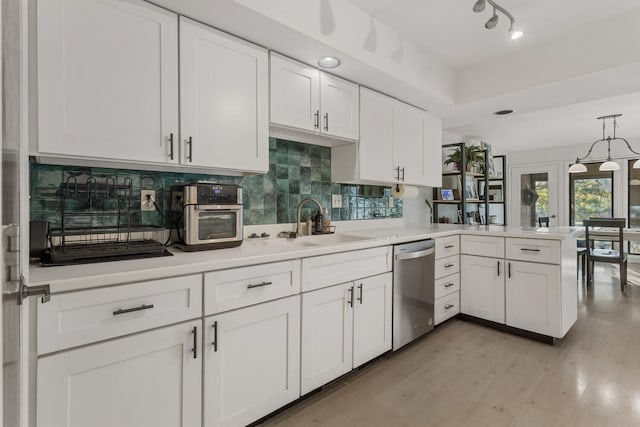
(590, 194)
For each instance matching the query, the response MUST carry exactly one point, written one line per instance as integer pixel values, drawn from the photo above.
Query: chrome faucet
(302, 202)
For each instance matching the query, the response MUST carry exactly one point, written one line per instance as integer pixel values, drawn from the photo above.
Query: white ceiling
(578, 59)
(451, 30)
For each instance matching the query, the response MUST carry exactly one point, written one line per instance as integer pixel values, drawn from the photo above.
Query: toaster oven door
(205, 226)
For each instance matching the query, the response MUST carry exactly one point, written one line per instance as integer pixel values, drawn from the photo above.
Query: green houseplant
(474, 157)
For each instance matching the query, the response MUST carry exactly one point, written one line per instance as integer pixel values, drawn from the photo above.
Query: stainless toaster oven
(209, 215)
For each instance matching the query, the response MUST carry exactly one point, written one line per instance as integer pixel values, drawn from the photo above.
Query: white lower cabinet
(344, 326)
(533, 297)
(252, 362)
(482, 287)
(152, 379)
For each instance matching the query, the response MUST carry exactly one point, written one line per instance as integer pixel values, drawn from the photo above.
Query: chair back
(593, 231)
(543, 221)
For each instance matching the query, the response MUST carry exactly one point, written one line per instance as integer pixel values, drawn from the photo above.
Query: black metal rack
(463, 200)
(96, 224)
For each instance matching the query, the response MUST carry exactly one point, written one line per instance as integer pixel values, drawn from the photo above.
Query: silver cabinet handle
(402, 174)
(190, 156)
(171, 146)
(448, 285)
(529, 250)
(509, 272)
(413, 255)
(360, 289)
(215, 336)
(326, 121)
(259, 285)
(450, 246)
(448, 265)
(449, 306)
(316, 121)
(131, 310)
(398, 173)
(350, 301)
(498, 268)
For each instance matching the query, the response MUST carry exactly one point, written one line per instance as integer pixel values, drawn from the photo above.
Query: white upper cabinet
(295, 94)
(340, 107)
(224, 100)
(398, 143)
(408, 143)
(304, 98)
(107, 80)
(376, 136)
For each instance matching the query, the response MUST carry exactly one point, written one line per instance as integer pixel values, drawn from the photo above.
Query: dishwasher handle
(414, 255)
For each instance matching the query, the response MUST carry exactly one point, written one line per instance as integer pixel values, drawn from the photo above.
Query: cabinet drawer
(447, 246)
(538, 250)
(447, 285)
(446, 307)
(239, 287)
(82, 317)
(488, 246)
(447, 266)
(319, 272)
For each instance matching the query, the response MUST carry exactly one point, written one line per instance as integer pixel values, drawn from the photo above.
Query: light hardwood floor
(463, 374)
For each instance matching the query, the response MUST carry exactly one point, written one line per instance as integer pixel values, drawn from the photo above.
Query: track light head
(479, 6)
(492, 22)
(515, 33)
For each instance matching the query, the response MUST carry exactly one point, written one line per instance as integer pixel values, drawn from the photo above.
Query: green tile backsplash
(296, 171)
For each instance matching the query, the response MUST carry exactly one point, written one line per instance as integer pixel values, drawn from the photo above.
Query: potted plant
(474, 157)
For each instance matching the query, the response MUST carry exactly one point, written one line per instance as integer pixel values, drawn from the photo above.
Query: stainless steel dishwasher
(413, 291)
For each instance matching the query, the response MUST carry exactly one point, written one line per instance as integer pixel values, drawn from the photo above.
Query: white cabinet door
(223, 99)
(252, 362)
(107, 80)
(533, 296)
(482, 287)
(408, 143)
(375, 149)
(371, 317)
(327, 335)
(295, 94)
(432, 150)
(146, 380)
(340, 107)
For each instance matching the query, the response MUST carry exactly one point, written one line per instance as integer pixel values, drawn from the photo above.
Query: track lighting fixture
(479, 6)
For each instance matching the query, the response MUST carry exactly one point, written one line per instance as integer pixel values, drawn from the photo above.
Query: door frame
(555, 183)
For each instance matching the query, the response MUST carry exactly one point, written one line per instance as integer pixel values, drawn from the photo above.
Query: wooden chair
(543, 221)
(613, 256)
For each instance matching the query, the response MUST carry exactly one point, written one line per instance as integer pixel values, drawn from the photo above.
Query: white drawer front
(446, 307)
(82, 317)
(447, 246)
(538, 250)
(239, 287)
(447, 285)
(488, 246)
(322, 271)
(447, 266)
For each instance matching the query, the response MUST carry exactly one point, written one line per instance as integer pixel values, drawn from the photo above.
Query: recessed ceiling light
(503, 112)
(329, 62)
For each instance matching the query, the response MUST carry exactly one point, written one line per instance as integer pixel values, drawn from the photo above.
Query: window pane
(634, 204)
(591, 194)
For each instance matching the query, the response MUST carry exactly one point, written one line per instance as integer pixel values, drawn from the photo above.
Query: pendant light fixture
(609, 164)
(480, 6)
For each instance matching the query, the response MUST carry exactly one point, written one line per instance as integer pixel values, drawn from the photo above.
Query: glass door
(534, 195)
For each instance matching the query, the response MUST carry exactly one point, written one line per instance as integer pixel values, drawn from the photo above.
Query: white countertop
(259, 251)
